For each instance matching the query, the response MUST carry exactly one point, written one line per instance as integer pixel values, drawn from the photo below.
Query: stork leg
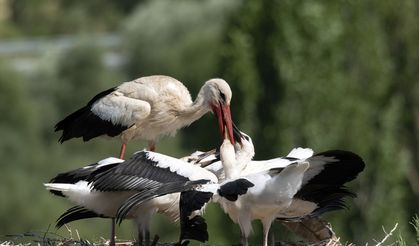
(122, 153)
(266, 226)
(112, 239)
(146, 237)
(140, 237)
(271, 239)
(243, 239)
(143, 225)
(143, 237)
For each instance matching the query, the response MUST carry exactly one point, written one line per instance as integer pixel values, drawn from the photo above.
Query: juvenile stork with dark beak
(147, 108)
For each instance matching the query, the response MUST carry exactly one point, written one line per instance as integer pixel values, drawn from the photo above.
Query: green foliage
(79, 72)
(176, 38)
(401, 241)
(46, 17)
(18, 149)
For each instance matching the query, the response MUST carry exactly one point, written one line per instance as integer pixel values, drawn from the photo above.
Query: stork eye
(246, 137)
(223, 97)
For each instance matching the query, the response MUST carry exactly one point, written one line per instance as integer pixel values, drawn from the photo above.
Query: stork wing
(333, 167)
(323, 182)
(194, 194)
(79, 174)
(108, 113)
(120, 109)
(147, 170)
(157, 191)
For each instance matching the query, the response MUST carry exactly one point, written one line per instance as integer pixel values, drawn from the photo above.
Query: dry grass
(318, 228)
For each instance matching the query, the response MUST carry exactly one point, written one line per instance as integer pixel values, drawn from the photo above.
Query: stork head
(218, 96)
(234, 157)
(245, 151)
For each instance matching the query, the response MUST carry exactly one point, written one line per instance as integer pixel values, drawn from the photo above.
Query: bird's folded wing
(120, 109)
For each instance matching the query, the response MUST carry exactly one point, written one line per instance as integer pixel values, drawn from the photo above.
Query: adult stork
(147, 108)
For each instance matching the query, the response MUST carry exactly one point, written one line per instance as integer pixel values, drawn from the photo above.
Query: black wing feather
(156, 191)
(348, 166)
(137, 173)
(76, 213)
(84, 123)
(327, 189)
(74, 176)
(233, 189)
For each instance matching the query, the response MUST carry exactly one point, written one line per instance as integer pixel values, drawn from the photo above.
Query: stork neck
(228, 160)
(196, 110)
(231, 172)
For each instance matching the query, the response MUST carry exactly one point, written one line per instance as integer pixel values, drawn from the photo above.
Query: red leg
(121, 154)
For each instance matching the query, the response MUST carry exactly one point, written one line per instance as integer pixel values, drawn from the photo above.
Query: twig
(387, 235)
(45, 234)
(69, 231)
(78, 235)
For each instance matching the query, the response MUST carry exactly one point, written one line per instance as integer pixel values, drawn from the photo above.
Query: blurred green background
(320, 74)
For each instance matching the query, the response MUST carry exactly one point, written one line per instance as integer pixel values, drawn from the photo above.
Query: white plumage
(273, 191)
(147, 108)
(75, 185)
(293, 194)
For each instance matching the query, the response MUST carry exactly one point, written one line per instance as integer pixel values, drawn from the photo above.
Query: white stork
(147, 108)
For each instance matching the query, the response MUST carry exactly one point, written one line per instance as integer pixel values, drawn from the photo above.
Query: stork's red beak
(225, 123)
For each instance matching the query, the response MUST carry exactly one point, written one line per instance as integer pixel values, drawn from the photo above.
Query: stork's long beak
(238, 136)
(225, 123)
(228, 122)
